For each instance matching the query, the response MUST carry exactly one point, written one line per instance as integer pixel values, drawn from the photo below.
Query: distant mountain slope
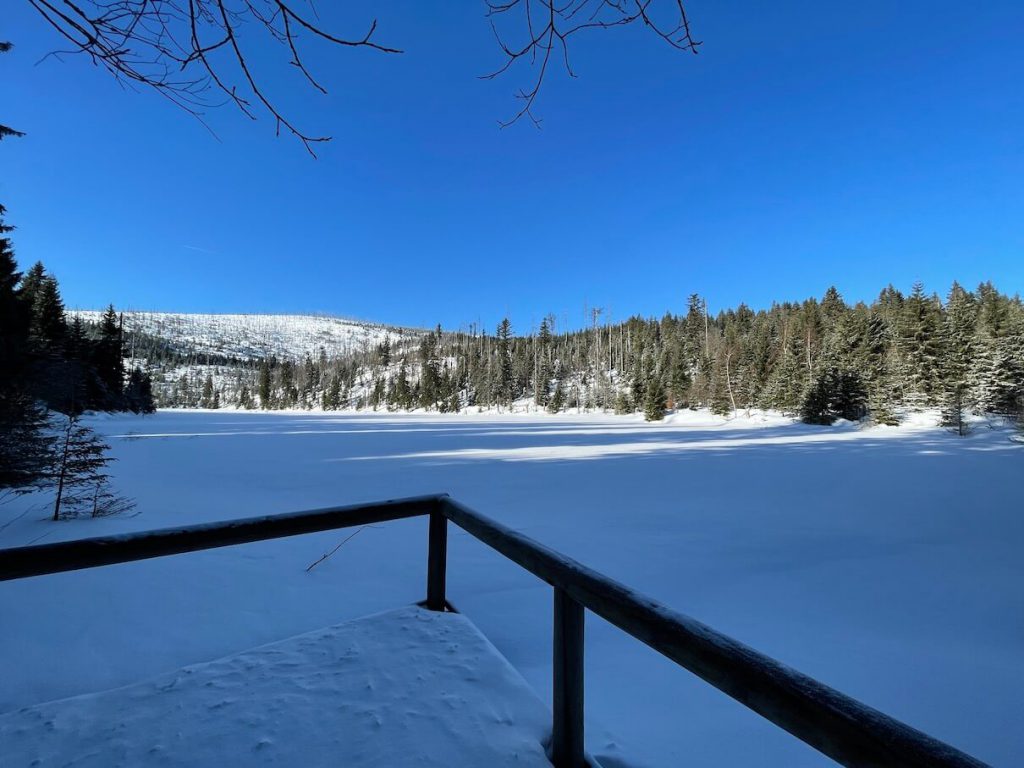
(288, 337)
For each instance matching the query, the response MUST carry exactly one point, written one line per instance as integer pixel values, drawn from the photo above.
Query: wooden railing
(849, 732)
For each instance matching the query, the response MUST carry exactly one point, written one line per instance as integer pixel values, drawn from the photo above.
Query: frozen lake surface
(885, 562)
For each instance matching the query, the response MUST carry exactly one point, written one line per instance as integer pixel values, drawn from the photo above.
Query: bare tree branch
(170, 45)
(191, 52)
(549, 25)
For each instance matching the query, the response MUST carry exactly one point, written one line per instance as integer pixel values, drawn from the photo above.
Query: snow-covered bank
(404, 687)
(884, 561)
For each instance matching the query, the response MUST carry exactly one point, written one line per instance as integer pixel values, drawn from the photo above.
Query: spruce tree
(109, 360)
(654, 400)
(27, 444)
(14, 317)
(815, 408)
(623, 403)
(542, 376)
(920, 349)
(264, 386)
(557, 402)
(430, 372)
(82, 484)
(833, 394)
(207, 396)
(48, 326)
(31, 285)
(289, 392)
(787, 383)
(954, 409)
(876, 369)
(959, 350)
(138, 392)
(506, 393)
(403, 392)
(849, 396)
(334, 393)
(1001, 380)
(378, 393)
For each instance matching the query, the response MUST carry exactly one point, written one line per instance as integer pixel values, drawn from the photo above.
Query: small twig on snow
(343, 541)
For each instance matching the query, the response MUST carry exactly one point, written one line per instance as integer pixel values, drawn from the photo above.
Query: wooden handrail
(849, 732)
(42, 559)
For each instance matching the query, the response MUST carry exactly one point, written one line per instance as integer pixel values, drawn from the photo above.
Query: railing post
(437, 556)
(567, 727)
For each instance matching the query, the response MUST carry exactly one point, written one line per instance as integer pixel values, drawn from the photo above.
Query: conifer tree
(207, 397)
(31, 285)
(110, 357)
(654, 400)
(876, 367)
(1001, 380)
(786, 385)
(14, 319)
(48, 326)
(920, 349)
(542, 376)
(378, 393)
(953, 410)
(402, 391)
(505, 377)
(289, 392)
(82, 484)
(430, 372)
(815, 408)
(27, 444)
(138, 392)
(623, 403)
(833, 394)
(557, 402)
(334, 392)
(264, 386)
(849, 396)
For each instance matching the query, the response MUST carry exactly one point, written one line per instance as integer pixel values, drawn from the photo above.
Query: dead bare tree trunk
(728, 380)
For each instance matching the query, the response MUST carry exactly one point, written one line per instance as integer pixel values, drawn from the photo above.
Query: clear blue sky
(808, 144)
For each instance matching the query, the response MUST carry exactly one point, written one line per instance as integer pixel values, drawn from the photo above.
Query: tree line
(52, 371)
(819, 360)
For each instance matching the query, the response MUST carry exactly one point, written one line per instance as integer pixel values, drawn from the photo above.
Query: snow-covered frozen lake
(885, 562)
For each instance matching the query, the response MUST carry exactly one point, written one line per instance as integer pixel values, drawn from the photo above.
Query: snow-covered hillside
(287, 337)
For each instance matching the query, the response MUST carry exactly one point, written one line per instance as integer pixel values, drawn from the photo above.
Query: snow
(402, 687)
(883, 561)
(253, 336)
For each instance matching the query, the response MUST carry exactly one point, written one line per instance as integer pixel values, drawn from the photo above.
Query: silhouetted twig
(549, 24)
(190, 51)
(170, 46)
